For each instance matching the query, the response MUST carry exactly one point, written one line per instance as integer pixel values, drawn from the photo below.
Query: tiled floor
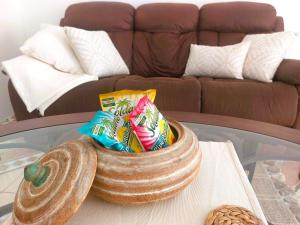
(12, 162)
(11, 181)
(273, 195)
(291, 171)
(13, 158)
(8, 120)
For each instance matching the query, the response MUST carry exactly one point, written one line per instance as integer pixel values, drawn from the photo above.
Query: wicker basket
(137, 178)
(231, 214)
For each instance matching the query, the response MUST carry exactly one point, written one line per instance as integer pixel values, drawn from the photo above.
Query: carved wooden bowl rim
(177, 126)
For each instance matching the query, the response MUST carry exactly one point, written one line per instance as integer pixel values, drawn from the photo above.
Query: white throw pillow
(51, 46)
(221, 62)
(265, 54)
(96, 52)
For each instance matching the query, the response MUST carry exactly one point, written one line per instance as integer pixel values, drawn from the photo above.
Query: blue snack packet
(103, 128)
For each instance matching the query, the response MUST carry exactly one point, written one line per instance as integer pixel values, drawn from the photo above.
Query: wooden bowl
(138, 178)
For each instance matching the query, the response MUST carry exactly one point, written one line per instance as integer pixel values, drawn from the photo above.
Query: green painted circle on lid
(36, 173)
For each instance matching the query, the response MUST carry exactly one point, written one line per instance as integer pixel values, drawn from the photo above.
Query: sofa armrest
(289, 71)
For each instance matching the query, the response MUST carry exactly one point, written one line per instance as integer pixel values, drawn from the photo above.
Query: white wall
(21, 18)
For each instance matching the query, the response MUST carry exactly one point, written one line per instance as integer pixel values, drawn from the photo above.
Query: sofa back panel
(219, 39)
(230, 38)
(115, 18)
(164, 33)
(166, 17)
(208, 38)
(241, 17)
(109, 16)
(161, 54)
(227, 23)
(279, 25)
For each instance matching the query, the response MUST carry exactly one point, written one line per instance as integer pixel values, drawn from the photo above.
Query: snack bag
(121, 103)
(126, 135)
(150, 126)
(112, 132)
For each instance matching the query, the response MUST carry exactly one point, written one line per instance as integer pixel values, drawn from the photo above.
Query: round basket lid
(231, 214)
(54, 187)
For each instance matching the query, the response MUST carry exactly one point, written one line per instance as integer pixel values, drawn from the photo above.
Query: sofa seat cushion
(83, 98)
(289, 72)
(178, 94)
(269, 102)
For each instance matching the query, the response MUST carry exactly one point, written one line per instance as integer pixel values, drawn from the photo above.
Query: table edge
(272, 130)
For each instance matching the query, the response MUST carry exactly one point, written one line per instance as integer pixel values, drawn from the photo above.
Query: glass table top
(272, 164)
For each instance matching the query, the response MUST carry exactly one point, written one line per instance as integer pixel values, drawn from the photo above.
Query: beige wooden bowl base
(138, 178)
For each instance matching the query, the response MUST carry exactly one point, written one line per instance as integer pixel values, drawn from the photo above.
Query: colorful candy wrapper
(150, 126)
(112, 132)
(121, 103)
(126, 135)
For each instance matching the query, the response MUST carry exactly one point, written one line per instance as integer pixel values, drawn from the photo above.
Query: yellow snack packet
(121, 103)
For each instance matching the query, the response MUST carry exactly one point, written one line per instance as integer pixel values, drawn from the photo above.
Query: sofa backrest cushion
(155, 39)
(162, 38)
(115, 18)
(227, 23)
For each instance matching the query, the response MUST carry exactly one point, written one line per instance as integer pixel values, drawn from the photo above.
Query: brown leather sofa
(154, 41)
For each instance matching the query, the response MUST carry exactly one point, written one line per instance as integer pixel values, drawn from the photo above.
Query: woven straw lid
(231, 214)
(55, 186)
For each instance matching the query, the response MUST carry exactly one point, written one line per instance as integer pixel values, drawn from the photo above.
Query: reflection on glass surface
(250, 147)
(20, 149)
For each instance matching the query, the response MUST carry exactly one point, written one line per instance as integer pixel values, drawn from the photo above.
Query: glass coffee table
(270, 155)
